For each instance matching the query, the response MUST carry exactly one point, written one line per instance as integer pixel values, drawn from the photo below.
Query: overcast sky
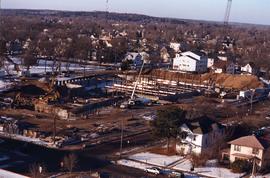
(250, 11)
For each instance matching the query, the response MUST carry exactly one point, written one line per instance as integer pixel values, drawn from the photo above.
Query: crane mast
(107, 9)
(228, 12)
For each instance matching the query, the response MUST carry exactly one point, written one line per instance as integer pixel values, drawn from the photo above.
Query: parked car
(177, 174)
(153, 170)
(149, 117)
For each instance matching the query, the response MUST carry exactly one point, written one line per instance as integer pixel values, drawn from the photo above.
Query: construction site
(82, 110)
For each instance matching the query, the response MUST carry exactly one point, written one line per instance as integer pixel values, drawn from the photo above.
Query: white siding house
(250, 68)
(200, 136)
(190, 62)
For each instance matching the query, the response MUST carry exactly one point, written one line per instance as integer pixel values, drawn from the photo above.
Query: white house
(210, 62)
(250, 68)
(190, 62)
(200, 136)
(250, 148)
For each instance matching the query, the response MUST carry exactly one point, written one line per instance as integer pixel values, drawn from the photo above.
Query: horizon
(209, 10)
(203, 20)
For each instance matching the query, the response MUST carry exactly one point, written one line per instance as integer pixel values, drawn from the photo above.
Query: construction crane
(132, 100)
(107, 9)
(228, 12)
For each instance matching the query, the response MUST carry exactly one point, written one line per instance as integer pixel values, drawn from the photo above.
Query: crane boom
(107, 9)
(228, 12)
(137, 81)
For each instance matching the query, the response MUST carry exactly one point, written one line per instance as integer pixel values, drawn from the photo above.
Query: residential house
(250, 68)
(232, 68)
(219, 66)
(164, 55)
(190, 62)
(200, 136)
(250, 148)
(137, 58)
(210, 62)
(175, 47)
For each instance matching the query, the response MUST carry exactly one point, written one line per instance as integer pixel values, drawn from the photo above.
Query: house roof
(203, 125)
(219, 64)
(249, 141)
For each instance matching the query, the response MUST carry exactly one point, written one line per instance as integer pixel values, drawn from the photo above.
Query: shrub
(239, 166)
(198, 160)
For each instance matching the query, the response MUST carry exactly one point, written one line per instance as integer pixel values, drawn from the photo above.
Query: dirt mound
(238, 82)
(234, 81)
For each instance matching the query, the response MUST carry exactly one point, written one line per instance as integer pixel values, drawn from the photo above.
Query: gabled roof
(219, 64)
(248, 141)
(203, 125)
(191, 55)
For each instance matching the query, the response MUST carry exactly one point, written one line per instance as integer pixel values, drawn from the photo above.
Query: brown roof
(220, 64)
(248, 141)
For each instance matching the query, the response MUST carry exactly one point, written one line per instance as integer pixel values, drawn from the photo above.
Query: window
(237, 148)
(255, 151)
(194, 137)
(184, 135)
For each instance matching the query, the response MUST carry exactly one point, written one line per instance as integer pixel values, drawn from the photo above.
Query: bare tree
(70, 161)
(29, 58)
(37, 170)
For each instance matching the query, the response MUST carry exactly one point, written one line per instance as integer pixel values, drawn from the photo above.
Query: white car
(149, 117)
(153, 170)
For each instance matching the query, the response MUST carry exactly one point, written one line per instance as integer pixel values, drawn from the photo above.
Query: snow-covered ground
(27, 139)
(7, 174)
(4, 85)
(159, 160)
(145, 160)
(42, 64)
(143, 166)
(210, 170)
(263, 176)
(46, 66)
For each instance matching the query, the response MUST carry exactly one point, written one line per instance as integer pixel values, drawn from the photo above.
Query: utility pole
(54, 129)
(251, 101)
(121, 140)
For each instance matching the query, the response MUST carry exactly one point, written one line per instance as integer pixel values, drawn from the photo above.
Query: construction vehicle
(133, 101)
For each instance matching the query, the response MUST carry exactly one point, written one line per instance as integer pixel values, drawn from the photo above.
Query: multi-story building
(200, 136)
(190, 62)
